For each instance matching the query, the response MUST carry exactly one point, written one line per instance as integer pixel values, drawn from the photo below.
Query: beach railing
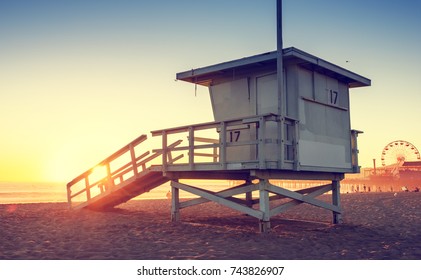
(128, 162)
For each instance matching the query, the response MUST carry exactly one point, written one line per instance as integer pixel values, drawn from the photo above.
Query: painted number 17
(234, 135)
(333, 97)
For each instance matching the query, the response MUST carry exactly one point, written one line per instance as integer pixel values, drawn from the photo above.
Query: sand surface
(376, 226)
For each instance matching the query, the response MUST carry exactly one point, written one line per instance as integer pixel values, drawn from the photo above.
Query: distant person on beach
(417, 189)
(169, 195)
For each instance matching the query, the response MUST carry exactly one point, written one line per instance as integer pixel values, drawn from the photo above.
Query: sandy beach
(376, 226)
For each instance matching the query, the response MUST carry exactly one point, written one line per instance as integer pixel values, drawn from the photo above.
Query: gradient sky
(80, 79)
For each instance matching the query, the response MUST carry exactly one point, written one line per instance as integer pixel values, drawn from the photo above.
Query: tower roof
(205, 75)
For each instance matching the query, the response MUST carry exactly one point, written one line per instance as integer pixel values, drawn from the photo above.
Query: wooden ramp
(121, 193)
(122, 176)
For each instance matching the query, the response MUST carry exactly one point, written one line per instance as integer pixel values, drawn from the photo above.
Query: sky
(80, 79)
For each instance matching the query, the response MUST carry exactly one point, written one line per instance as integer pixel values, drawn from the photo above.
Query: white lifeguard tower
(278, 115)
(313, 134)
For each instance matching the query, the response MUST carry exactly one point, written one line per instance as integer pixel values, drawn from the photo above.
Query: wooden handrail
(209, 125)
(115, 155)
(132, 165)
(127, 165)
(206, 140)
(111, 175)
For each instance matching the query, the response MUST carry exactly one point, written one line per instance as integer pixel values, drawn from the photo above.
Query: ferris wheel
(399, 151)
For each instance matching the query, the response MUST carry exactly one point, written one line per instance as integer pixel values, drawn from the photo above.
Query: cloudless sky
(80, 79)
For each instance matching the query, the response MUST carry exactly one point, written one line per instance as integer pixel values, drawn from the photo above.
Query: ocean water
(12, 193)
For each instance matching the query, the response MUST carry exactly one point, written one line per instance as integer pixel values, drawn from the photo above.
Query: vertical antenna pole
(280, 66)
(280, 77)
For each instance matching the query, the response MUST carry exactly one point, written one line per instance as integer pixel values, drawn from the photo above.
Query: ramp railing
(121, 167)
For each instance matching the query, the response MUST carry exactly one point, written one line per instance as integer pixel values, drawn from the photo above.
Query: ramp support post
(175, 203)
(264, 204)
(249, 195)
(336, 201)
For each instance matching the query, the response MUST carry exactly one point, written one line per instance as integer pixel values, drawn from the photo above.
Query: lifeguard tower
(278, 115)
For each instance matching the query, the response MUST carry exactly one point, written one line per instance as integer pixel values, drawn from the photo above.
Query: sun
(98, 173)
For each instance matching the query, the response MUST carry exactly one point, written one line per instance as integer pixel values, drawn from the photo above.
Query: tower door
(267, 94)
(267, 102)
